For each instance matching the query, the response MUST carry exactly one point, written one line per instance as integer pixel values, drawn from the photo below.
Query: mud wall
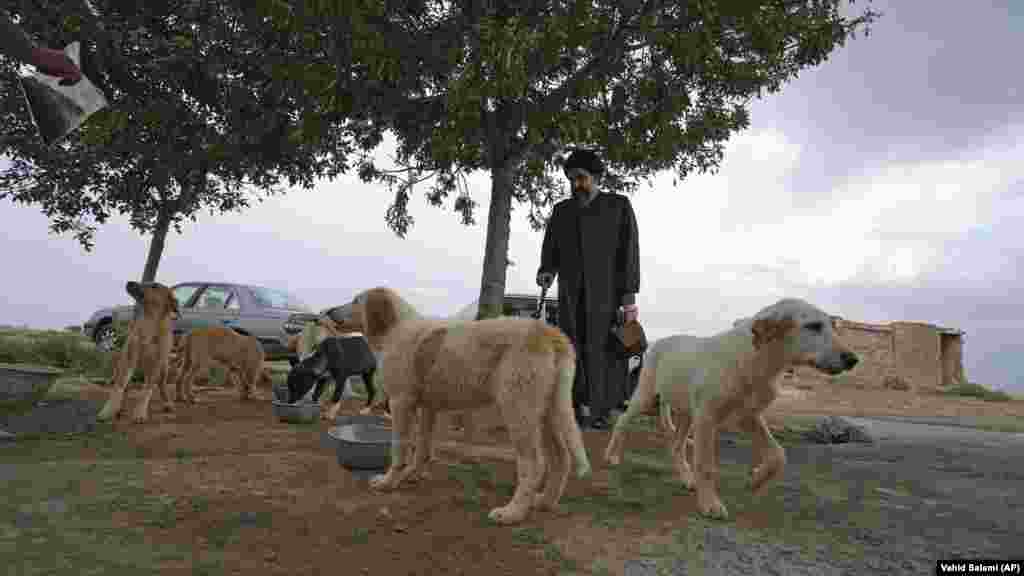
(952, 348)
(917, 354)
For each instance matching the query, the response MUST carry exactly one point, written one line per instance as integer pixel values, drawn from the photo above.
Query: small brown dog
(240, 354)
(148, 345)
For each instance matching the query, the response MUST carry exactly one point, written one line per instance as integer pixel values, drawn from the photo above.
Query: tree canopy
(508, 87)
(208, 111)
(212, 95)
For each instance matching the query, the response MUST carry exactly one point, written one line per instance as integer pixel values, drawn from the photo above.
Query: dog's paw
(761, 475)
(423, 475)
(383, 482)
(543, 503)
(612, 456)
(106, 415)
(508, 514)
(366, 411)
(140, 417)
(711, 506)
(331, 413)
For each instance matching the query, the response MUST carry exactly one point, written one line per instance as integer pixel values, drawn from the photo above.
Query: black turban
(585, 159)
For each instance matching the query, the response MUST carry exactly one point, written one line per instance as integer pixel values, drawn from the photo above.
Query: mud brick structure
(911, 356)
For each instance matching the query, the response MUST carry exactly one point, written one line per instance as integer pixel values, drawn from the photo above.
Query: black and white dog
(335, 357)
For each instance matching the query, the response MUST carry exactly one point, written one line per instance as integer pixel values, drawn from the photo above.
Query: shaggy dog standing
(525, 366)
(148, 346)
(241, 354)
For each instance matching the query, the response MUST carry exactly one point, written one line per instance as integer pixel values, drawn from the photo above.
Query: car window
(270, 298)
(184, 293)
(233, 302)
(214, 298)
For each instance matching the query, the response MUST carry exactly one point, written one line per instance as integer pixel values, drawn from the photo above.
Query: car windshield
(270, 298)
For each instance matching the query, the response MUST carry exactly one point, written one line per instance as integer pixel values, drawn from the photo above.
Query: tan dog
(734, 374)
(525, 366)
(175, 372)
(148, 346)
(232, 379)
(240, 353)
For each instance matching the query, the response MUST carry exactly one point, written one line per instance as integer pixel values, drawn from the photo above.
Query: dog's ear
(770, 328)
(172, 303)
(379, 312)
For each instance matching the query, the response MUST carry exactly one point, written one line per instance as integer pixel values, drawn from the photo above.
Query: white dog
(707, 380)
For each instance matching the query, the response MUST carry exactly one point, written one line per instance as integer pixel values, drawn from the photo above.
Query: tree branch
(557, 99)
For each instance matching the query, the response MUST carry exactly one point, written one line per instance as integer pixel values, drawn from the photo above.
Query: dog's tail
(566, 366)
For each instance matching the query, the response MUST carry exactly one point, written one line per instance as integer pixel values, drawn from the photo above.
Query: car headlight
(293, 326)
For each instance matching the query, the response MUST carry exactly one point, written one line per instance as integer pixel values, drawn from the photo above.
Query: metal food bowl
(362, 442)
(23, 385)
(298, 413)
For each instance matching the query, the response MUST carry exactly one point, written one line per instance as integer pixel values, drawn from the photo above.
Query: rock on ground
(838, 430)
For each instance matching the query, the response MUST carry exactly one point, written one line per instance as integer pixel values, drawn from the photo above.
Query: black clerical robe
(594, 251)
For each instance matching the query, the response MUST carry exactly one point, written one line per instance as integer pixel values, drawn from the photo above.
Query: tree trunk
(156, 246)
(492, 285)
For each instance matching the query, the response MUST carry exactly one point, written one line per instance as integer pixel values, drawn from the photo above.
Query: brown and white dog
(525, 366)
(148, 346)
(241, 354)
(734, 374)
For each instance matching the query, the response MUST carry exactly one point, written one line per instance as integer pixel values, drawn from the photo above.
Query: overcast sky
(887, 184)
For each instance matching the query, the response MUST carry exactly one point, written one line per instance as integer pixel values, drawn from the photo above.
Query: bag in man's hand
(628, 338)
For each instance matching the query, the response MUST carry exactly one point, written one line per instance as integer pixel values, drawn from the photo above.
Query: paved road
(930, 430)
(940, 491)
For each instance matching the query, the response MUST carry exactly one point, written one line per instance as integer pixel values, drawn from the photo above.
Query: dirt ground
(834, 399)
(224, 488)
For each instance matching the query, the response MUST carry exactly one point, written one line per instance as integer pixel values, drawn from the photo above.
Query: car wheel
(105, 337)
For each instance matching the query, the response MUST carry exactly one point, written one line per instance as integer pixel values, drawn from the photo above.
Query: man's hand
(630, 313)
(56, 63)
(545, 279)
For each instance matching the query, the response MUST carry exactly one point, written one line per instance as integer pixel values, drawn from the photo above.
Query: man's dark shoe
(600, 423)
(581, 420)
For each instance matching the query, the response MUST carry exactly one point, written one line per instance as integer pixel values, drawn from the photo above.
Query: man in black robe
(591, 245)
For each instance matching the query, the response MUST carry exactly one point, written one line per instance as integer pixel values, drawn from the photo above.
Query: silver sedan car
(254, 310)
